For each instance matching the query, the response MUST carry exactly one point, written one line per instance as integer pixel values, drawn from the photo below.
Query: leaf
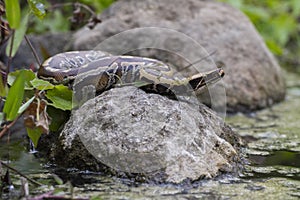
(58, 117)
(41, 84)
(61, 97)
(103, 4)
(97, 197)
(3, 88)
(57, 22)
(36, 116)
(274, 47)
(25, 105)
(57, 179)
(235, 3)
(1, 117)
(18, 37)
(28, 77)
(13, 13)
(283, 25)
(99, 5)
(14, 97)
(256, 13)
(34, 134)
(37, 8)
(295, 4)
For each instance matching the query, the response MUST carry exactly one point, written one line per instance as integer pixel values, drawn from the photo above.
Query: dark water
(277, 159)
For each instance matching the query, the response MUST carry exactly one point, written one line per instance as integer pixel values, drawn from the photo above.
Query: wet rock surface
(253, 77)
(134, 132)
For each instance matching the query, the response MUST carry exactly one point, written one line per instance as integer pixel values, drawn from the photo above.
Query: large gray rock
(126, 130)
(253, 77)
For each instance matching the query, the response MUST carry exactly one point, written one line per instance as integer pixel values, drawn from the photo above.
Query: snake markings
(105, 71)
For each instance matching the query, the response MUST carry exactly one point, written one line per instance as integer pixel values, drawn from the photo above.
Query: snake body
(105, 71)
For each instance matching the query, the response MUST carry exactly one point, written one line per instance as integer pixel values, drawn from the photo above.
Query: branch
(6, 127)
(33, 50)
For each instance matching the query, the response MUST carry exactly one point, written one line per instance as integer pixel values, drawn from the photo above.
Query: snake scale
(105, 71)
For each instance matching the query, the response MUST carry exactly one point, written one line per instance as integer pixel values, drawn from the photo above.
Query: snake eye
(221, 73)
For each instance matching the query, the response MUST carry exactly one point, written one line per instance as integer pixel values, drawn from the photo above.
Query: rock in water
(253, 77)
(134, 132)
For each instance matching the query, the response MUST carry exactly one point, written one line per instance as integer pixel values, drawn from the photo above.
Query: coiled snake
(104, 71)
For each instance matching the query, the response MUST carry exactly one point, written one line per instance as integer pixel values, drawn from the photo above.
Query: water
(273, 137)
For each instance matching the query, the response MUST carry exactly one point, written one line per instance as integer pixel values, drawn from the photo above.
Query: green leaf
(295, 4)
(18, 37)
(61, 97)
(34, 134)
(25, 105)
(234, 3)
(14, 97)
(3, 88)
(1, 117)
(54, 22)
(283, 25)
(256, 13)
(274, 47)
(13, 13)
(28, 77)
(41, 84)
(57, 179)
(99, 5)
(37, 8)
(58, 117)
(97, 197)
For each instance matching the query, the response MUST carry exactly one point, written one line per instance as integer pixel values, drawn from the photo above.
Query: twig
(4, 27)
(59, 5)
(33, 50)
(6, 127)
(86, 8)
(21, 174)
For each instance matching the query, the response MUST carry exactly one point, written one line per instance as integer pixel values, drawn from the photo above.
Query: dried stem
(6, 127)
(33, 50)
(59, 5)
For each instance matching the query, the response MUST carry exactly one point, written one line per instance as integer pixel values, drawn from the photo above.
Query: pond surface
(273, 137)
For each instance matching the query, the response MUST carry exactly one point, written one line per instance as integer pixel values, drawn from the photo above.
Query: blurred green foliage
(59, 19)
(99, 5)
(278, 21)
(53, 22)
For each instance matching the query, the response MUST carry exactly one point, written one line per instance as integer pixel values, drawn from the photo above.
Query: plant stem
(21, 174)
(6, 127)
(33, 50)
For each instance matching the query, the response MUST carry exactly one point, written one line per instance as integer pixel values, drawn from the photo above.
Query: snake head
(200, 80)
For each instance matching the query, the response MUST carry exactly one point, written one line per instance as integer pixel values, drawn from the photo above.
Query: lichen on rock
(131, 131)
